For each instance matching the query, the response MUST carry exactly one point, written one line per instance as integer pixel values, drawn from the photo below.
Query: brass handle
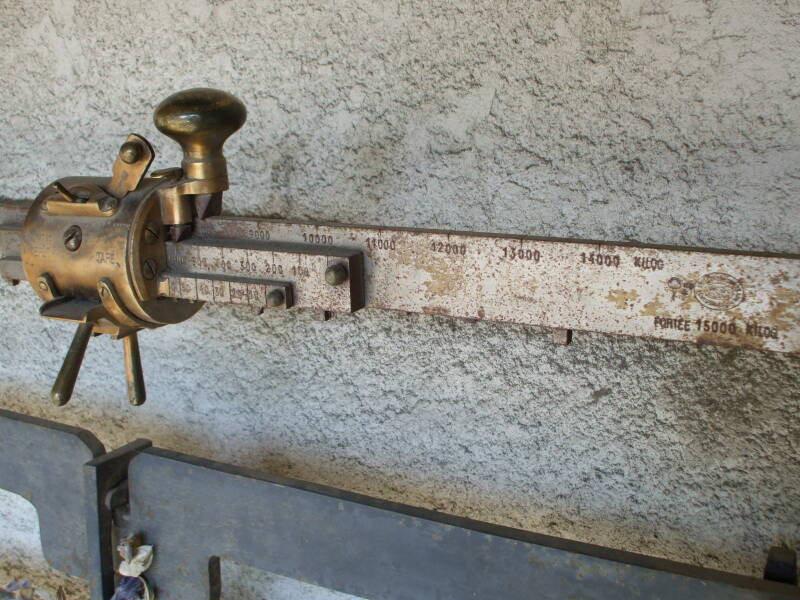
(65, 382)
(133, 370)
(200, 120)
(68, 375)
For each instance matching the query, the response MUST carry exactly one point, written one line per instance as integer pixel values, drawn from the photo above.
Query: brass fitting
(93, 248)
(200, 120)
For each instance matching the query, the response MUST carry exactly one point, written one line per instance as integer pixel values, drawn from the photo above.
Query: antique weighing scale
(133, 251)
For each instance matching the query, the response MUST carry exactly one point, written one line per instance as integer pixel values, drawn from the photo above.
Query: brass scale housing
(130, 252)
(93, 248)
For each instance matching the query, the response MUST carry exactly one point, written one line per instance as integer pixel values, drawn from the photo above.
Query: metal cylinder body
(94, 245)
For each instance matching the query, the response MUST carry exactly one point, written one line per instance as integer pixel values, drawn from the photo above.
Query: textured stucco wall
(669, 122)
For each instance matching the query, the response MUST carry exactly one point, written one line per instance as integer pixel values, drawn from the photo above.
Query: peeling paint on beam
(722, 297)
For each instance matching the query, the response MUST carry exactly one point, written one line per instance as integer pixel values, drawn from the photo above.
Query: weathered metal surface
(12, 213)
(102, 475)
(11, 269)
(196, 512)
(224, 290)
(42, 461)
(693, 295)
(9, 240)
(705, 296)
(12, 216)
(781, 565)
(244, 272)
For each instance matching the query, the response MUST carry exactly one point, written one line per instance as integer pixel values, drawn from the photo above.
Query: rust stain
(654, 308)
(735, 315)
(436, 310)
(781, 277)
(446, 273)
(475, 278)
(783, 312)
(443, 283)
(687, 302)
(622, 298)
(719, 339)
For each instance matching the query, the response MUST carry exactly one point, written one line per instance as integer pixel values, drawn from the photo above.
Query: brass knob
(200, 120)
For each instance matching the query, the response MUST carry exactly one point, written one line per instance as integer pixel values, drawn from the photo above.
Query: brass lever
(68, 375)
(133, 370)
(65, 382)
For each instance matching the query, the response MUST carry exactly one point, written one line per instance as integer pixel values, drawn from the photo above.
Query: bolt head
(130, 152)
(275, 298)
(73, 237)
(336, 274)
(108, 204)
(149, 269)
(151, 234)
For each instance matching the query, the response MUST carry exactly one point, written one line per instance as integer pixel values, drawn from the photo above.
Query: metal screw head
(108, 204)
(73, 237)
(149, 269)
(335, 274)
(130, 152)
(275, 298)
(151, 234)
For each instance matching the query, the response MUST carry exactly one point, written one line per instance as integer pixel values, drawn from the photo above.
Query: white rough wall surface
(667, 122)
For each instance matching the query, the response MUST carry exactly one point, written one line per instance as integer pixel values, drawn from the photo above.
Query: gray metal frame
(197, 512)
(103, 477)
(377, 549)
(42, 461)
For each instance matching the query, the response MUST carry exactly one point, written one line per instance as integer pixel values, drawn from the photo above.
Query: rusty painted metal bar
(721, 297)
(749, 300)
(12, 216)
(244, 272)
